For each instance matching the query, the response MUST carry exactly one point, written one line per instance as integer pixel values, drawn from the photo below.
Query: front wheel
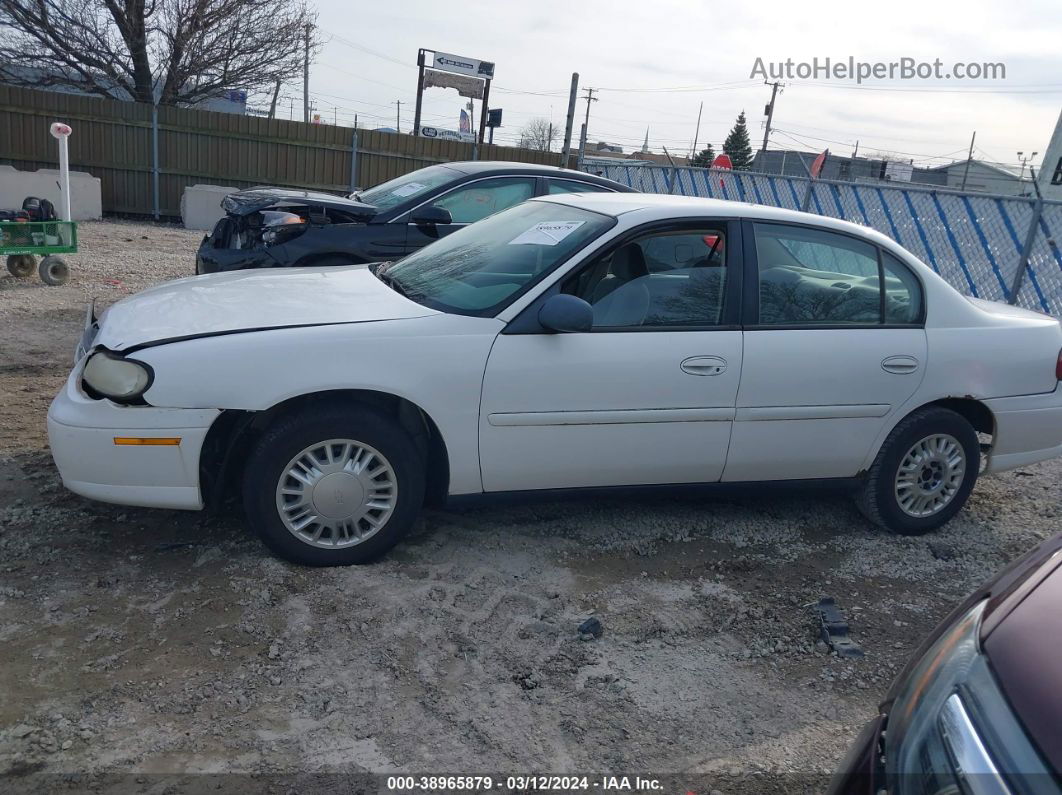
(923, 473)
(54, 271)
(333, 487)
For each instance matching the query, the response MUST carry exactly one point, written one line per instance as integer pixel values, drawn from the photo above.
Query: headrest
(628, 263)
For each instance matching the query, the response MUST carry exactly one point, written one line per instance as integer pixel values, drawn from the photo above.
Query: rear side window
(903, 292)
(573, 186)
(812, 277)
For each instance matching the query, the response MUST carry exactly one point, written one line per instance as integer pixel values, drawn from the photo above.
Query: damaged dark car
(269, 227)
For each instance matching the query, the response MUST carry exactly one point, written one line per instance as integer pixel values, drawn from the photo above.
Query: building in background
(981, 177)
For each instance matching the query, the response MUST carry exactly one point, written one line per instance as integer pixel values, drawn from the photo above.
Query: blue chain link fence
(1000, 248)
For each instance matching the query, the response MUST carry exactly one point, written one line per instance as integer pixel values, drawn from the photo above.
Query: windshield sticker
(408, 189)
(547, 233)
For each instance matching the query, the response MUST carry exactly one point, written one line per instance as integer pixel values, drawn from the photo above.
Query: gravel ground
(143, 642)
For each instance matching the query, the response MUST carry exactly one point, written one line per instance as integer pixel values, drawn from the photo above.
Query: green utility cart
(22, 241)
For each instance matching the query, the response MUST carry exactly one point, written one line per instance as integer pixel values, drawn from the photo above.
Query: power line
(936, 89)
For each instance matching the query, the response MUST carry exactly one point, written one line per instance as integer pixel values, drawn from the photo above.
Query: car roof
(653, 206)
(479, 166)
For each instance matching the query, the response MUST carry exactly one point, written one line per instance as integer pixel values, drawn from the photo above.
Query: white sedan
(572, 341)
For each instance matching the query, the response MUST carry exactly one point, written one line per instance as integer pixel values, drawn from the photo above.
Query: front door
(647, 396)
(835, 345)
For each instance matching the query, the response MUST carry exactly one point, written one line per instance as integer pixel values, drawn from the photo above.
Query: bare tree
(538, 134)
(175, 51)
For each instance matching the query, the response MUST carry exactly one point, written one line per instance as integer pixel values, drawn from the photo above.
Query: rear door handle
(703, 365)
(901, 365)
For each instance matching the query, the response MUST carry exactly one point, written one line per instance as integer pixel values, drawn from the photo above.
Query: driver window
(661, 279)
(476, 201)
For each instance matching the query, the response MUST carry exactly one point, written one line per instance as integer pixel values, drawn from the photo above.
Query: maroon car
(978, 709)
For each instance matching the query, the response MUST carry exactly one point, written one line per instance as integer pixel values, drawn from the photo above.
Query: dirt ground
(135, 643)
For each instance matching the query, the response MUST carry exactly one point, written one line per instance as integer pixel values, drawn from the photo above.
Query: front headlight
(116, 377)
(951, 730)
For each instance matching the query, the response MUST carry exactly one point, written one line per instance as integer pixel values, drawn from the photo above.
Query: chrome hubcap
(336, 493)
(930, 475)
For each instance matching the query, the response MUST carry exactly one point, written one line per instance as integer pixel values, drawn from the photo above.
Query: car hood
(245, 202)
(1022, 637)
(225, 303)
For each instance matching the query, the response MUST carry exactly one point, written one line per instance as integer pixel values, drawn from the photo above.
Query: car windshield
(478, 269)
(409, 186)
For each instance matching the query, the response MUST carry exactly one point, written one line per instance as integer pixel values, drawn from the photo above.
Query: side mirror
(566, 313)
(431, 215)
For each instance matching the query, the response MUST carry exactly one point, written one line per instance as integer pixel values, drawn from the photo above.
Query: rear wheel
(21, 265)
(334, 487)
(923, 473)
(54, 271)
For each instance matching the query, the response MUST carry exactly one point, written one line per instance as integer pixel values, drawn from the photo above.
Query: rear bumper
(1028, 429)
(861, 771)
(81, 433)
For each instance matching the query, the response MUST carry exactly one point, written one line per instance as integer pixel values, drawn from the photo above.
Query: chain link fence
(1001, 248)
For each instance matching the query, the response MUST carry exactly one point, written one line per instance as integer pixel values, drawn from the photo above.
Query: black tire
(54, 271)
(878, 499)
(21, 265)
(292, 434)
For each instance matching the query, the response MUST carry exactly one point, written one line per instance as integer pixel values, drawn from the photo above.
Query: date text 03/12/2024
(521, 783)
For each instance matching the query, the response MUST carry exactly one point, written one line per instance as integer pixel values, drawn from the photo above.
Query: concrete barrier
(201, 205)
(85, 197)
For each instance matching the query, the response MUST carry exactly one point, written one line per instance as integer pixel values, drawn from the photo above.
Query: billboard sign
(464, 66)
(446, 135)
(1050, 176)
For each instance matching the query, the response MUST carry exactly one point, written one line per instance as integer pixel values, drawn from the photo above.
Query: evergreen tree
(704, 158)
(737, 144)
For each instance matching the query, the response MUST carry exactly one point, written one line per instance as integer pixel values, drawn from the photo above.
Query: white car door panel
(835, 352)
(812, 401)
(603, 409)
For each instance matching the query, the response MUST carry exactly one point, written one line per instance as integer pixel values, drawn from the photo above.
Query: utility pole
(697, 131)
(573, 97)
(769, 112)
(582, 147)
(549, 137)
(273, 104)
(969, 159)
(398, 115)
(306, 74)
(589, 98)
(855, 151)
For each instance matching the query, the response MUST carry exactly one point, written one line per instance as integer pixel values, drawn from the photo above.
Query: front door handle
(703, 365)
(901, 365)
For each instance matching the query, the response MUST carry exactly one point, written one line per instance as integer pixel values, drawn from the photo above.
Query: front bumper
(861, 771)
(1028, 429)
(81, 433)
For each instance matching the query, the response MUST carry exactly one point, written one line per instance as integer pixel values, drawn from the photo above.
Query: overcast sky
(656, 61)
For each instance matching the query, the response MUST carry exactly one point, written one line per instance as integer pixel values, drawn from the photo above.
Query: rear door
(834, 344)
